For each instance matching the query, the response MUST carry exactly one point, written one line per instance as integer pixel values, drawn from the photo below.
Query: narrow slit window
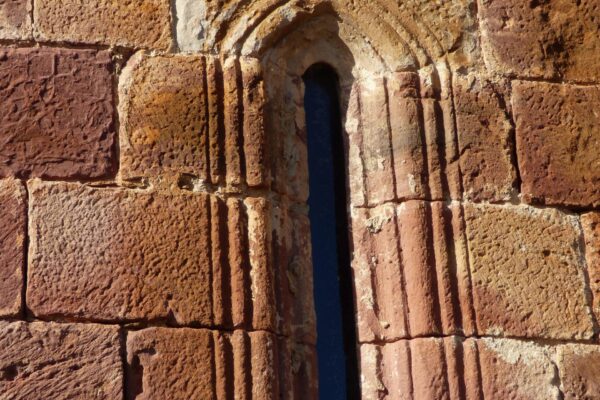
(336, 327)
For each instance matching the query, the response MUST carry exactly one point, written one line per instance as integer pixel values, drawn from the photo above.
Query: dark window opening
(336, 327)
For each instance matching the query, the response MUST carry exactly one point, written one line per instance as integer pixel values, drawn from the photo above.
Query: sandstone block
(190, 115)
(197, 363)
(111, 254)
(163, 114)
(579, 366)
(512, 369)
(484, 133)
(183, 258)
(452, 368)
(170, 364)
(41, 360)
(13, 214)
(423, 368)
(410, 270)
(542, 39)
(591, 231)
(58, 119)
(136, 24)
(528, 272)
(15, 20)
(557, 143)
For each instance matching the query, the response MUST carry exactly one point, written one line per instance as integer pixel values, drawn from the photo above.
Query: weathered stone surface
(579, 367)
(188, 363)
(484, 131)
(182, 258)
(528, 274)
(15, 19)
(170, 364)
(558, 137)
(232, 26)
(591, 231)
(190, 115)
(58, 113)
(411, 272)
(13, 216)
(113, 254)
(542, 39)
(42, 360)
(512, 369)
(163, 115)
(137, 23)
(459, 368)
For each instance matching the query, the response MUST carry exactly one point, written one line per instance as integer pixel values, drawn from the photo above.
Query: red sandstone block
(187, 114)
(411, 272)
(578, 367)
(455, 368)
(113, 254)
(377, 146)
(558, 137)
(528, 272)
(15, 19)
(58, 113)
(183, 363)
(378, 275)
(546, 39)
(513, 369)
(484, 133)
(13, 214)
(407, 137)
(137, 23)
(144, 255)
(163, 114)
(170, 364)
(60, 361)
(591, 231)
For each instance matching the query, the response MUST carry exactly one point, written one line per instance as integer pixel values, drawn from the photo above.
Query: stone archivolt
(187, 274)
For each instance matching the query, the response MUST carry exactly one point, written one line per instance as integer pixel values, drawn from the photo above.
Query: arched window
(336, 343)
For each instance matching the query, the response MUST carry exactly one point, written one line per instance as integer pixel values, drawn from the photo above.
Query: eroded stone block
(591, 231)
(528, 272)
(45, 360)
(15, 19)
(542, 39)
(484, 131)
(13, 214)
(136, 24)
(113, 254)
(579, 366)
(58, 117)
(558, 137)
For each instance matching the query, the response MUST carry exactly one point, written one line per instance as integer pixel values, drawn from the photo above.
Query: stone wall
(154, 238)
